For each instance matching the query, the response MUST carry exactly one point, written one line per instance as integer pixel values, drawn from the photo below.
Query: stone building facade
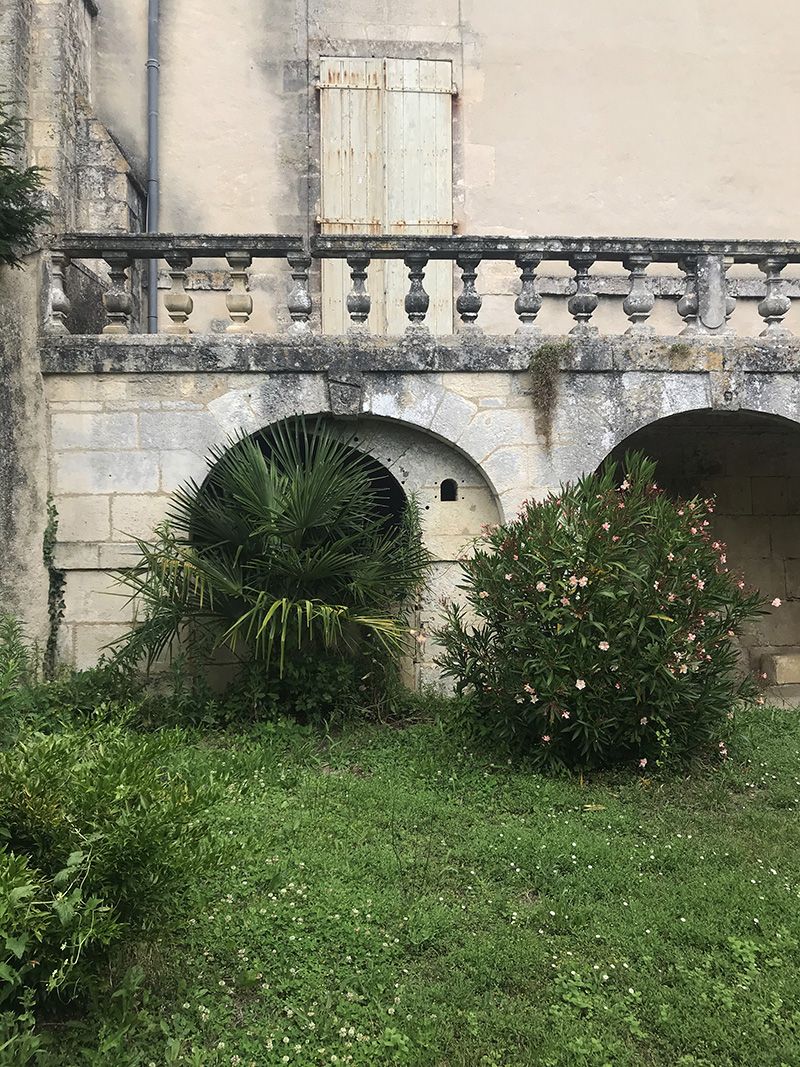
(378, 169)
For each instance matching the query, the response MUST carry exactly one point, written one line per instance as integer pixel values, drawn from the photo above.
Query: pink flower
(606, 525)
(583, 582)
(540, 587)
(604, 646)
(516, 557)
(776, 603)
(723, 558)
(509, 577)
(573, 581)
(546, 737)
(681, 512)
(529, 688)
(730, 714)
(483, 595)
(643, 762)
(625, 484)
(670, 557)
(615, 539)
(643, 721)
(691, 637)
(565, 601)
(580, 684)
(701, 585)
(564, 714)
(723, 752)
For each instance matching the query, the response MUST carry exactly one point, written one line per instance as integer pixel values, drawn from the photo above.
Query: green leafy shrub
(99, 834)
(286, 550)
(17, 672)
(19, 214)
(604, 622)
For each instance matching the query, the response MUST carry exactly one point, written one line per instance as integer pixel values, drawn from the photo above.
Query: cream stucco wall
(629, 117)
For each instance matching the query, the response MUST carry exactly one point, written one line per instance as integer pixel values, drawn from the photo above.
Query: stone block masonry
(130, 419)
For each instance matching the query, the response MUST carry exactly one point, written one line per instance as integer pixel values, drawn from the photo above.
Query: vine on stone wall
(544, 367)
(57, 580)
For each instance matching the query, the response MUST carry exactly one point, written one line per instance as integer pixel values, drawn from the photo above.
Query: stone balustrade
(704, 296)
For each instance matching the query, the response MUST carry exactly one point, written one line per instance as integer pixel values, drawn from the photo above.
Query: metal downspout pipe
(152, 157)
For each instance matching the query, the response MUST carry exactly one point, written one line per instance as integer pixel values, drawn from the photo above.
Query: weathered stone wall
(23, 451)
(131, 419)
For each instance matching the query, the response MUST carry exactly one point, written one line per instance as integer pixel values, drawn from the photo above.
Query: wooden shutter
(386, 168)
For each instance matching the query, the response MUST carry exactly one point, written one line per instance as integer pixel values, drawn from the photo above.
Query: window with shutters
(386, 135)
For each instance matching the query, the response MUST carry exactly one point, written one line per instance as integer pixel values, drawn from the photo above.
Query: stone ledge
(416, 352)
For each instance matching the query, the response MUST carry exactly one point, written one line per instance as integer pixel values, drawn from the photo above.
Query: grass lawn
(388, 898)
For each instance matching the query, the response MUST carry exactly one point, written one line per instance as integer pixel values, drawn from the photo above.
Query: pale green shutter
(386, 168)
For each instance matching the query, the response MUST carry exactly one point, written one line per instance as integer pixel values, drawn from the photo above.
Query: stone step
(782, 696)
(782, 668)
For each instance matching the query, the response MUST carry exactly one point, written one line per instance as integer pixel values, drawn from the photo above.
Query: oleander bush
(600, 626)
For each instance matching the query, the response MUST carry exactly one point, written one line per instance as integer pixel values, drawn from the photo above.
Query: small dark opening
(449, 489)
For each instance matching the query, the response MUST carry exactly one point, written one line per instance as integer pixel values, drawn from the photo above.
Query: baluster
(59, 302)
(417, 300)
(299, 299)
(238, 301)
(639, 302)
(776, 303)
(582, 303)
(687, 306)
(730, 299)
(712, 293)
(117, 299)
(468, 303)
(529, 302)
(177, 301)
(358, 299)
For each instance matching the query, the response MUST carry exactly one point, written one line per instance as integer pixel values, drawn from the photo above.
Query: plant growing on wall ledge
(19, 214)
(605, 615)
(287, 547)
(544, 367)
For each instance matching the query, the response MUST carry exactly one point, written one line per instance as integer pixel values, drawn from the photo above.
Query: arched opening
(389, 496)
(750, 463)
(448, 490)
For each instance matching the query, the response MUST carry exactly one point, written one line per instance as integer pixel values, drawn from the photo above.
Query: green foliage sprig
(604, 619)
(19, 214)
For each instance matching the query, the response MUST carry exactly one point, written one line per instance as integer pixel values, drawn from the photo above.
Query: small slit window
(449, 489)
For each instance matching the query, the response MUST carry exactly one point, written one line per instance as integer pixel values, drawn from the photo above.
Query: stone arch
(419, 462)
(750, 461)
(597, 412)
(493, 441)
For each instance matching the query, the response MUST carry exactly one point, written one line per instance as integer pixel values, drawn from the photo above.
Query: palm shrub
(602, 626)
(286, 548)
